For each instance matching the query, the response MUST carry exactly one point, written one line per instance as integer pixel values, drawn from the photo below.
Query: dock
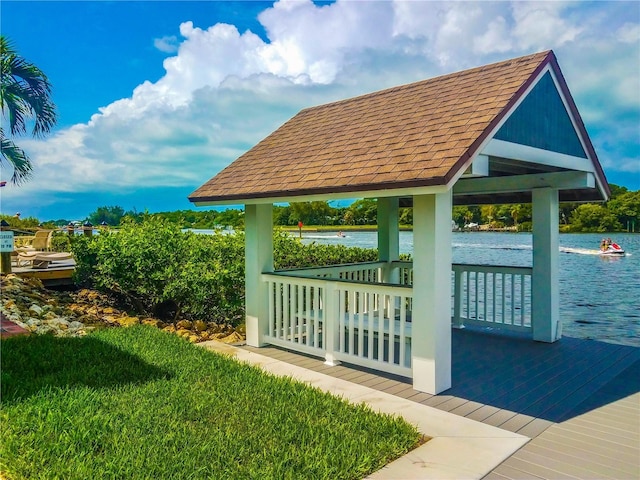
(58, 273)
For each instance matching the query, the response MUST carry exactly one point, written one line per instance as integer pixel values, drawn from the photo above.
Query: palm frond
(25, 94)
(17, 158)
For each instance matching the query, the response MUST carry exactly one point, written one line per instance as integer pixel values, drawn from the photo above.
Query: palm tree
(25, 96)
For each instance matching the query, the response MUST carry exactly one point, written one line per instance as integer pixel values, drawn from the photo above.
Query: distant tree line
(620, 213)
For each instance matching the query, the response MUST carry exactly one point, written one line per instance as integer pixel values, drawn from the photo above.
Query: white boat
(613, 249)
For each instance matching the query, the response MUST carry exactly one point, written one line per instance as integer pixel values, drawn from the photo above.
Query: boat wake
(588, 251)
(484, 246)
(580, 251)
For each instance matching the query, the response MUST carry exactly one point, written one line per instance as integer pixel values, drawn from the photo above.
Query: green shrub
(289, 252)
(60, 242)
(162, 271)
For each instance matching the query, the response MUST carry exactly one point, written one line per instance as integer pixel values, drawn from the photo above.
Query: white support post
(431, 312)
(258, 259)
(545, 296)
(388, 236)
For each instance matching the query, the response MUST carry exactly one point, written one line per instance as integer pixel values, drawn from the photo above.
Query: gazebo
(508, 132)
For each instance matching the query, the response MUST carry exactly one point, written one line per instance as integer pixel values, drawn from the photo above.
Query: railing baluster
(522, 304)
(301, 322)
(352, 321)
(381, 326)
(513, 298)
(341, 313)
(484, 298)
(493, 296)
(285, 310)
(292, 313)
(392, 328)
(503, 317)
(401, 336)
(318, 313)
(271, 309)
(360, 325)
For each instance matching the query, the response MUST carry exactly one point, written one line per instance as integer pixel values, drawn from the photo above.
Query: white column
(431, 313)
(258, 224)
(388, 235)
(545, 296)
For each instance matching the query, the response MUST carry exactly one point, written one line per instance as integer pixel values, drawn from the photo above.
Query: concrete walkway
(459, 447)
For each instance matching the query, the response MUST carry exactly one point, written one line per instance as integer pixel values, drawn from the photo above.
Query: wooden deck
(57, 273)
(579, 400)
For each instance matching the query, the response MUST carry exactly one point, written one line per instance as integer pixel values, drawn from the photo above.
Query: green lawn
(139, 403)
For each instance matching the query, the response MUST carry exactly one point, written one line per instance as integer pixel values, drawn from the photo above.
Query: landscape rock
(73, 314)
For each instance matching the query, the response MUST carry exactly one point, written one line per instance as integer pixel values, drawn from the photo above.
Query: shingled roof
(414, 135)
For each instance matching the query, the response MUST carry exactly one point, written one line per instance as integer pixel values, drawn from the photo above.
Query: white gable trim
(500, 148)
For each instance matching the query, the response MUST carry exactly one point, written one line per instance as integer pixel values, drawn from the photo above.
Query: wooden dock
(58, 273)
(579, 400)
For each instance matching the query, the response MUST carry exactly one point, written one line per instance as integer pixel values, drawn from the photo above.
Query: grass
(139, 403)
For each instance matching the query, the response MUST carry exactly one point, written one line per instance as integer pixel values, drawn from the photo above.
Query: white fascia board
(392, 192)
(523, 183)
(515, 151)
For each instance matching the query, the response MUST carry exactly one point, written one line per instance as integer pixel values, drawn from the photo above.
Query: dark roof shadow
(31, 364)
(553, 381)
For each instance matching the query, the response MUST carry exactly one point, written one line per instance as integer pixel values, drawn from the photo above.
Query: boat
(612, 249)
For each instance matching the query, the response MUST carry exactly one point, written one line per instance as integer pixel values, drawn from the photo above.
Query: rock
(37, 309)
(76, 325)
(169, 328)
(183, 332)
(45, 329)
(154, 322)
(128, 321)
(88, 319)
(184, 324)
(214, 327)
(33, 322)
(199, 326)
(204, 335)
(234, 337)
(193, 338)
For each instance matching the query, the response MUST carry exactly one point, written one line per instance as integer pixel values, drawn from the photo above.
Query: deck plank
(583, 456)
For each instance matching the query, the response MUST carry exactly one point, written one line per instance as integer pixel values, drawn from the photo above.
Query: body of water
(599, 296)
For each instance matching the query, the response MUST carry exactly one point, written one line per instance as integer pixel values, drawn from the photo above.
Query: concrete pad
(444, 458)
(459, 448)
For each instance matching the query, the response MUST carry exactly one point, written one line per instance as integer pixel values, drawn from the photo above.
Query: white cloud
(629, 33)
(224, 90)
(167, 44)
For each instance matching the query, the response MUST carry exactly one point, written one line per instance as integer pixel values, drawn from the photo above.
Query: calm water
(599, 296)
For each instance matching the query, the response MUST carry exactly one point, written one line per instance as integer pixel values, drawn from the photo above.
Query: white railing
(494, 296)
(345, 312)
(483, 295)
(370, 272)
(356, 322)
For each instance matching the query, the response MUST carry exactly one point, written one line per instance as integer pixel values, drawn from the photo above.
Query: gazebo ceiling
(427, 134)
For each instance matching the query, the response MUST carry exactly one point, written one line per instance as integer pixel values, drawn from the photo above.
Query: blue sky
(154, 98)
